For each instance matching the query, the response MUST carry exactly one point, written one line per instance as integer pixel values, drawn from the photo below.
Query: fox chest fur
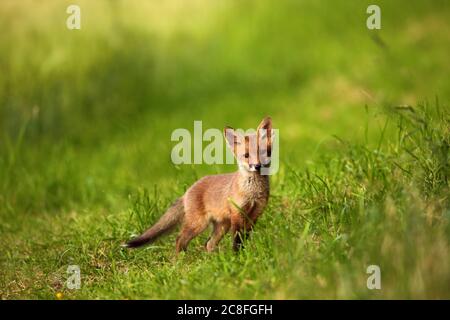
(250, 197)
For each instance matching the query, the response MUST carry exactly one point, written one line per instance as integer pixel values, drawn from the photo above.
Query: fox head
(253, 150)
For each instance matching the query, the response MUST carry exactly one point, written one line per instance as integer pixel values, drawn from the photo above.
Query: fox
(229, 202)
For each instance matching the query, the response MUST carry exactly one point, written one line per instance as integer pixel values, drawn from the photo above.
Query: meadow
(86, 118)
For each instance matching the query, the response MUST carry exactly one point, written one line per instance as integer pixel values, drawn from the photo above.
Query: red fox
(232, 201)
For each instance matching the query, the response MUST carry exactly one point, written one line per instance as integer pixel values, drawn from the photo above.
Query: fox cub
(232, 201)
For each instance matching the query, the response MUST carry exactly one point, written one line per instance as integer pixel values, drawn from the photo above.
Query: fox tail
(165, 224)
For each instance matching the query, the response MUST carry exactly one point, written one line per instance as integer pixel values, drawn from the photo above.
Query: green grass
(85, 124)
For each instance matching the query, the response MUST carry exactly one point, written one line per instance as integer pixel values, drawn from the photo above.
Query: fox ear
(266, 124)
(266, 133)
(232, 137)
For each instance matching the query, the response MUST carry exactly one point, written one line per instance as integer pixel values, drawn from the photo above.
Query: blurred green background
(86, 117)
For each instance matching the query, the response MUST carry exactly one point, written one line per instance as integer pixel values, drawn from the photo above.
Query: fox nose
(257, 166)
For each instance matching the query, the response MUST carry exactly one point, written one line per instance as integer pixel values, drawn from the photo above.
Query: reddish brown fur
(232, 201)
(229, 201)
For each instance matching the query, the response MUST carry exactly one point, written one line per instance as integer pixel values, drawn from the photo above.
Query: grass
(85, 124)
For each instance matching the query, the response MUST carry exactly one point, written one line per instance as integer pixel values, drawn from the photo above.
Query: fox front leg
(240, 232)
(219, 230)
(242, 228)
(239, 237)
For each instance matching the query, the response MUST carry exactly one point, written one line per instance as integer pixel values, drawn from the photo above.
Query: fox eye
(246, 155)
